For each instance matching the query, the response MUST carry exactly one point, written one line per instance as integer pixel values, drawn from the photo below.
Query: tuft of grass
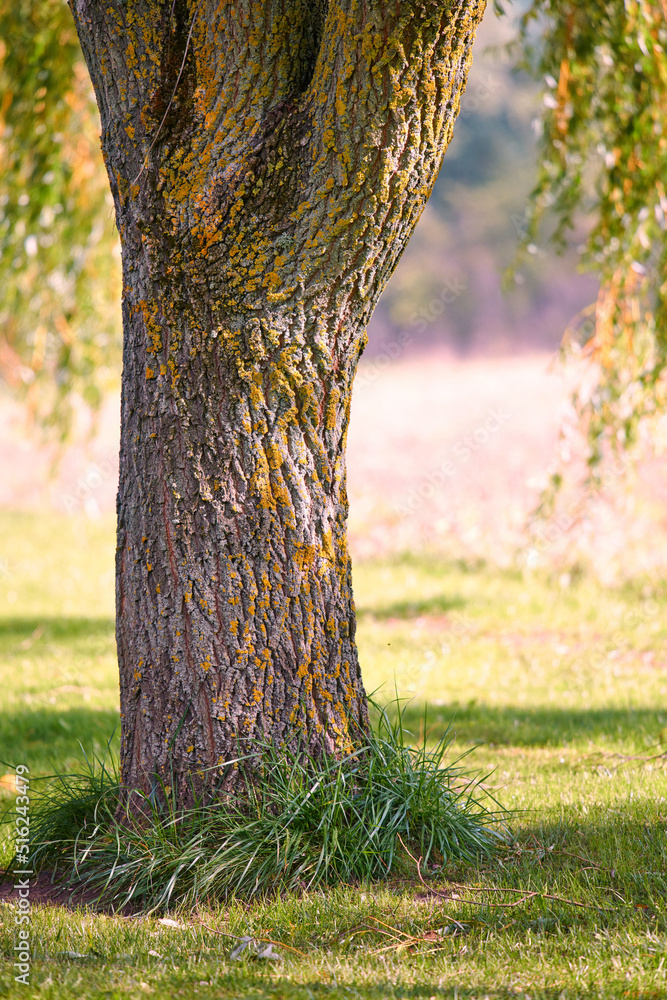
(302, 823)
(65, 806)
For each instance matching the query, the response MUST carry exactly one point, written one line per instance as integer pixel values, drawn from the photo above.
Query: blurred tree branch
(60, 331)
(603, 157)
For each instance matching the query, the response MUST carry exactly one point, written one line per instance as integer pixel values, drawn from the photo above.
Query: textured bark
(269, 160)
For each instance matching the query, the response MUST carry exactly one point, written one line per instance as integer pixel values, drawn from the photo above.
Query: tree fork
(268, 161)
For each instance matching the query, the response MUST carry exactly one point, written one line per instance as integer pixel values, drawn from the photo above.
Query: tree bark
(269, 160)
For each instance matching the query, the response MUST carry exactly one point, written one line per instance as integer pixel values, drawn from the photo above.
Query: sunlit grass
(564, 685)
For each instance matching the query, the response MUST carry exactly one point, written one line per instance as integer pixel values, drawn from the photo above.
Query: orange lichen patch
(327, 548)
(303, 555)
(150, 314)
(150, 373)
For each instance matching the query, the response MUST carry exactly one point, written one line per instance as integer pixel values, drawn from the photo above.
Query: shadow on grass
(625, 841)
(439, 604)
(43, 738)
(612, 859)
(18, 629)
(534, 727)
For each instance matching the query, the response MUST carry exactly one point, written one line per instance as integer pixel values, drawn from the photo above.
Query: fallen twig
(524, 897)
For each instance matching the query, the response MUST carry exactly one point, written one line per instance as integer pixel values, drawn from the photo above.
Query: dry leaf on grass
(257, 950)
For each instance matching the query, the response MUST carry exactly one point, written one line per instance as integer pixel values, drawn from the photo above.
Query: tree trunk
(269, 161)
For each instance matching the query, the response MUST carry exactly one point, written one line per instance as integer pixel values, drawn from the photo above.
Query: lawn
(560, 683)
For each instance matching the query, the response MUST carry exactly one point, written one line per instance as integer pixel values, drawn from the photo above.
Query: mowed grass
(561, 682)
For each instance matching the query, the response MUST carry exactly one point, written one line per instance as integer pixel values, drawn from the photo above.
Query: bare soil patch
(48, 889)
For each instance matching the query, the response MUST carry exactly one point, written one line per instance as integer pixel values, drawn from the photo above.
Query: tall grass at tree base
(303, 822)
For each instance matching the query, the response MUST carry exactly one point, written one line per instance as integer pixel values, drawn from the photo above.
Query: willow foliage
(603, 159)
(59, 263)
